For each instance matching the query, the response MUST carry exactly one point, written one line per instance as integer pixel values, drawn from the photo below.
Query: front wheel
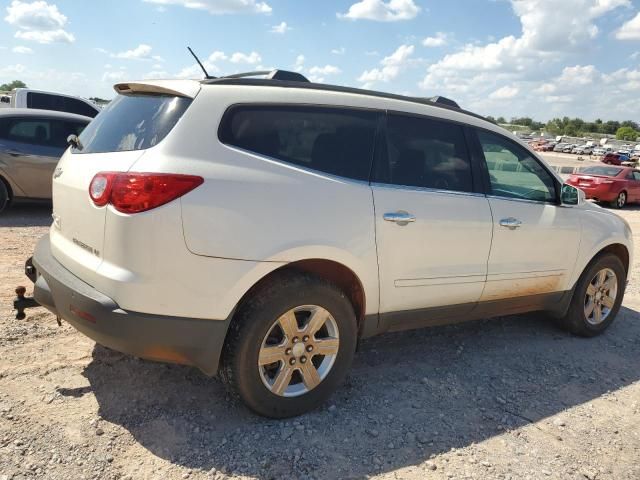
(620, 201)
(597, 297)
(290, 345)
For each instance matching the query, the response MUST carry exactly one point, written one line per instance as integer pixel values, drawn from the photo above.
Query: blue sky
(540, 58)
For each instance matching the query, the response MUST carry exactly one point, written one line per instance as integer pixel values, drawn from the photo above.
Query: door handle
(511, 223)
(402, 218)
(15, 153)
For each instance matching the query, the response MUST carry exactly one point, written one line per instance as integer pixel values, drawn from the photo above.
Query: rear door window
(337, 141)
(34, 131)
(133, 122)
(423, 152)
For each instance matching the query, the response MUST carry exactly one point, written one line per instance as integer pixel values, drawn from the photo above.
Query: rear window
(133, 122)
(337, 141)
(606, 171)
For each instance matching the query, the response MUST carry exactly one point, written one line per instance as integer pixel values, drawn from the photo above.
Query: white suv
(261, 227)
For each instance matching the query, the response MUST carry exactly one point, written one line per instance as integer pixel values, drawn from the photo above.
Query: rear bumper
(189, 341)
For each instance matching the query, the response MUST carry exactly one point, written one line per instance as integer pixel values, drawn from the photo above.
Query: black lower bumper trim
(190, 341)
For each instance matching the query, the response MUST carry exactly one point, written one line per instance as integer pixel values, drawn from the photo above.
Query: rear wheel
(290, 345)
(620, 201)
(597, 297)
(4, 196)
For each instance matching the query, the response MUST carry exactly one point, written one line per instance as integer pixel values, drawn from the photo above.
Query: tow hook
(20, 303)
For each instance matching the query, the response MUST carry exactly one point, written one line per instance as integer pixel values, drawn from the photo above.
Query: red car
(614, 185)
(615, 158)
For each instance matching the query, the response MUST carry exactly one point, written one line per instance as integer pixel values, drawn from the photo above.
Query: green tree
(501, 120)
(10, 86)
(627, 133)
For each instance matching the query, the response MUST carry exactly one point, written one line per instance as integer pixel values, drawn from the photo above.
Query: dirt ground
(509, 398)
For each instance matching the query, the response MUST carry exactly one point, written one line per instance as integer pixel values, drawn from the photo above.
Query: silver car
(31, 143)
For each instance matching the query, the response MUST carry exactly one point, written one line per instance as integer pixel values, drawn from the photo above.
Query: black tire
(575, 320)
(255, 318)
(4, 196)
(620, 201)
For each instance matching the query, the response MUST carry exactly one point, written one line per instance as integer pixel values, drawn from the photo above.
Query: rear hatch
(137, 120)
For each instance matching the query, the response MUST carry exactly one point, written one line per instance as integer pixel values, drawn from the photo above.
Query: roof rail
(443, 101)
(335, 88)
(285, 75)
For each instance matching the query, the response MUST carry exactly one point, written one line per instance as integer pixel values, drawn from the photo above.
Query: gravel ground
(510, 398)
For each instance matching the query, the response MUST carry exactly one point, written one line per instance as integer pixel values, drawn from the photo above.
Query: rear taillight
(135, 192)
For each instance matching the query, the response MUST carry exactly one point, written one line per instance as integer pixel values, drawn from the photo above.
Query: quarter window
(427, 153)
(332, 140)
(513, 172)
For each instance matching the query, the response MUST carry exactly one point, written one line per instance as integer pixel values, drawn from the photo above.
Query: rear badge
(86, 247)
(57, 173)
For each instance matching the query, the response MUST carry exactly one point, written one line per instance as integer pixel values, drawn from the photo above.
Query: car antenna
(206, 74)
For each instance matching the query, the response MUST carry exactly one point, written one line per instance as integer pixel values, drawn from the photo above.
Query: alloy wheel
(298, 351)
(622, 199)
(600, 296)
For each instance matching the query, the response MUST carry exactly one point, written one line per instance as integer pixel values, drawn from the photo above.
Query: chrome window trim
(393, 186)
(523, 200)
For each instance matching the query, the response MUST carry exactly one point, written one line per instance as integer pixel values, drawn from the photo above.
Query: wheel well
(619, 251)
(334, 272)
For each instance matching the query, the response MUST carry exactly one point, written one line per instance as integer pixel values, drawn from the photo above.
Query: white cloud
(339, 51)
(12, 69)
(114, 76)
(252, 58)
(220, 7)
(635, 55)
(391, 67)
(504, 93)
(630, 30)
(217, 56)
(156, 75)
(372, 53)
(547, 38)
(38, 22)
(22, 50)
(50, 36)
(439, 40)
(381, 11)
(141, 52)
(281, 28)
(317, 74)
(326, 70)
(299, 63)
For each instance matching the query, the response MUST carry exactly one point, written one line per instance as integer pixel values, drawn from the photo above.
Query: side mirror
(74, 141)
(571, 195)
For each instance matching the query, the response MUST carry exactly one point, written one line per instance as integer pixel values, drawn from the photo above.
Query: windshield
(606, 171)
(132, 122)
